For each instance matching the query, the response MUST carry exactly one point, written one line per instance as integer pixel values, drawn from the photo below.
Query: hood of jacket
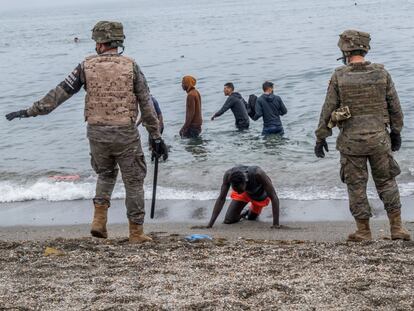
(189, 82)
(236, 95)
(269, 97)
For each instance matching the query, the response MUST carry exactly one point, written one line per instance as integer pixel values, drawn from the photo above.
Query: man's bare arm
(220, 201)
(271, 192)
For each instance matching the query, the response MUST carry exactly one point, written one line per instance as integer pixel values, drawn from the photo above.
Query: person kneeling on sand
(249, 184)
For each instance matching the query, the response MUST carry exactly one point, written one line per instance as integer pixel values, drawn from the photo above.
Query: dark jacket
(270, 107)
(236, 103)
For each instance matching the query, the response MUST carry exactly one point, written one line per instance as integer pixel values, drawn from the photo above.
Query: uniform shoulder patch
(73, 82)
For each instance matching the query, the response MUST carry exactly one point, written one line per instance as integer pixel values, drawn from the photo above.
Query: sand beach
(306, 265)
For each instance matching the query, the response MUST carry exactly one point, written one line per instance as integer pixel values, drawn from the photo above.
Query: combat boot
(100, 218)
(363, 232)
(136, 234)
(398, 232)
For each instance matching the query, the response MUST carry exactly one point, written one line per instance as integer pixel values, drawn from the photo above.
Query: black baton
(154, 187)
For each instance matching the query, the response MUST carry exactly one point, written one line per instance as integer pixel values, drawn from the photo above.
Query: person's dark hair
(267, 85)
(237, 178)
(229, 85)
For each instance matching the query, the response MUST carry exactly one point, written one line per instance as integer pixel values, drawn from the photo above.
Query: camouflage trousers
(105, 159)
(354, 173)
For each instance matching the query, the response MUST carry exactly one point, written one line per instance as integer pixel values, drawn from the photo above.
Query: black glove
(17, 114)
(320, 145)
(158, 149)
(395, 141)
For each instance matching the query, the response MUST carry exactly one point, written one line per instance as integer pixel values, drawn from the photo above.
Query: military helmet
(108, 32)
(354, 40)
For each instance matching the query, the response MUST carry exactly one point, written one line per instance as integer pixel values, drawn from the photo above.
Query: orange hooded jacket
(193, 117)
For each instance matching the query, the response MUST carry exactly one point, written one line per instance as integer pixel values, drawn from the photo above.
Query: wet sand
(44, 213)
(335, 231)
(322, 220)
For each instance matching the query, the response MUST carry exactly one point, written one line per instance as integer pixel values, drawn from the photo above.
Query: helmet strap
(344, 58)
(98, 51)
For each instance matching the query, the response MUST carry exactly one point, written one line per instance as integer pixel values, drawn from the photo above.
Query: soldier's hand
(159, 149)
(16, 114)
(395, 141)
(320, 145)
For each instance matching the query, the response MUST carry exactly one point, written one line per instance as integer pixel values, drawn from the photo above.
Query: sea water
(292, 43)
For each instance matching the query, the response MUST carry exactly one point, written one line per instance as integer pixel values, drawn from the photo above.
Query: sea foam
(50, 190)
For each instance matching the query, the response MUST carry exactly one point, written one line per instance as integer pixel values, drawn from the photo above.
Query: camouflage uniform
(369, 92)
(111, 110)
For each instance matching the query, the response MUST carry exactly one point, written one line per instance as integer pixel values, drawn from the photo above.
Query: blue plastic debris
(198, 237)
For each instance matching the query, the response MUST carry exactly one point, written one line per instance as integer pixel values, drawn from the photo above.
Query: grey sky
(7, 5)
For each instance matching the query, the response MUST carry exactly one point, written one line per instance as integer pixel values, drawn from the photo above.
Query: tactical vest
(362, 88)
(110, 97)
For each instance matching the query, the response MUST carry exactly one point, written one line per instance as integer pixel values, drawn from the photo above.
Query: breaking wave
(50, 190)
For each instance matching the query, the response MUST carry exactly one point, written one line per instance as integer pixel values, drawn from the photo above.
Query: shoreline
(322, 220)
(334, 231)
(47, 213)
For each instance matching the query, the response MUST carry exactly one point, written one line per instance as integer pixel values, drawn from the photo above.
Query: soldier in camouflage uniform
(362, 100)
(115, 86)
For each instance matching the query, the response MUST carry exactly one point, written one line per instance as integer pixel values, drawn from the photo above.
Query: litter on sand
(198, 237)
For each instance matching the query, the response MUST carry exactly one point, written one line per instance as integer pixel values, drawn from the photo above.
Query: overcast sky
(6, 5)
